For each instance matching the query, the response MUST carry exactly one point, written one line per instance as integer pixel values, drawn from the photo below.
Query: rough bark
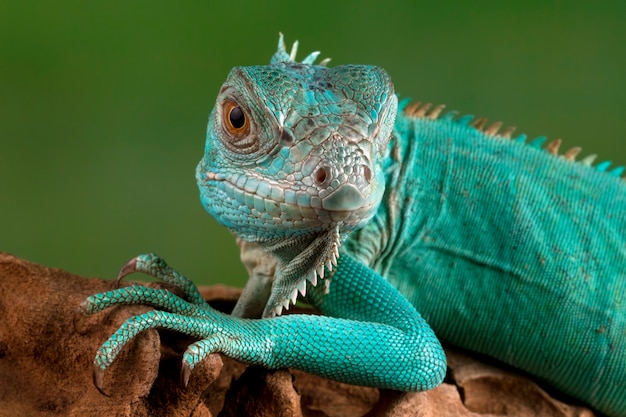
(46, 368)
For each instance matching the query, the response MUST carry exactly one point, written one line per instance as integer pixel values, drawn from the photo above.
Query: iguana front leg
(294, 161)
(261, 267)
(380, 339)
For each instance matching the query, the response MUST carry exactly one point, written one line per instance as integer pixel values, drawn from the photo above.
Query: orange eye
(235, 120)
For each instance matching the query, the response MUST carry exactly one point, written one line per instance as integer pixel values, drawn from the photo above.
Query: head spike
(434, 113)
(493, 128)
(537, 142)
(617, 172)
(451, 115)
(479, 124)
(507, 132)
(281, 42)
(294, 51)
(324, 62)
(571, 154)
(588, 160)
(465, 120)
(421, 110)
(521, 138)
(310, 59)
(553, 147)
(281, 52)
(411, 108)
(603, 166)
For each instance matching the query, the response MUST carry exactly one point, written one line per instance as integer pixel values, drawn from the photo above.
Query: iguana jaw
(305, 247)
(280, 211)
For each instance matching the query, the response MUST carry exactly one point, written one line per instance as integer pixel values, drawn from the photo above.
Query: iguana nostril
(320, 175)
(367, 174)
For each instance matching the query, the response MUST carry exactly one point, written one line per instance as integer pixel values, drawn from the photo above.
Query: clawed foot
(191, 316)
(155, 266)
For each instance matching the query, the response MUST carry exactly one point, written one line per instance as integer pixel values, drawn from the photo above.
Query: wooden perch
(46, 368)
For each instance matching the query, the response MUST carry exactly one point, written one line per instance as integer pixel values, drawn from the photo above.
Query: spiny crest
(427, 111)
(329, 262)
(281, 54)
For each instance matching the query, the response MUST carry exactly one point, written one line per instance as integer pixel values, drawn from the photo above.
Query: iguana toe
(98, 379)
(128, 268)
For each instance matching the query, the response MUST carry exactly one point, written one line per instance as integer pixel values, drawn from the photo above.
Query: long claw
(78, 320)
(129, 268)
(98, 379)
(185, 373)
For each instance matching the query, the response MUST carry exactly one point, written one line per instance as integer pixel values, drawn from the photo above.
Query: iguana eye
(235, 120)
(236, 124)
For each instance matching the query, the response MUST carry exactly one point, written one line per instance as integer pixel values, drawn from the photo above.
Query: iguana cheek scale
(505, 247)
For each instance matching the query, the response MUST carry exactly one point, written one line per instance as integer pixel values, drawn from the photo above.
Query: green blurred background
(103, 105)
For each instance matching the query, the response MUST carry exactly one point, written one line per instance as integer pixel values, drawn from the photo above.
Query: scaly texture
(506, 248)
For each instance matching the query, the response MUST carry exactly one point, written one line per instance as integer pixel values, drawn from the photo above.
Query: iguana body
(503, 247)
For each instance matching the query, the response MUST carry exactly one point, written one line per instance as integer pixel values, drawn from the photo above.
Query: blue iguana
(389, 215)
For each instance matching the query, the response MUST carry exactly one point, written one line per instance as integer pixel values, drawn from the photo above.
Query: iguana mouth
(345, 206)
(310, 247)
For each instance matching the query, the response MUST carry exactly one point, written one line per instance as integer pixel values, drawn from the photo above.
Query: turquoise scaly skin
(505, 247)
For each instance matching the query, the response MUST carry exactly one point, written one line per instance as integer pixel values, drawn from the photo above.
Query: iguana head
(293, 156)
